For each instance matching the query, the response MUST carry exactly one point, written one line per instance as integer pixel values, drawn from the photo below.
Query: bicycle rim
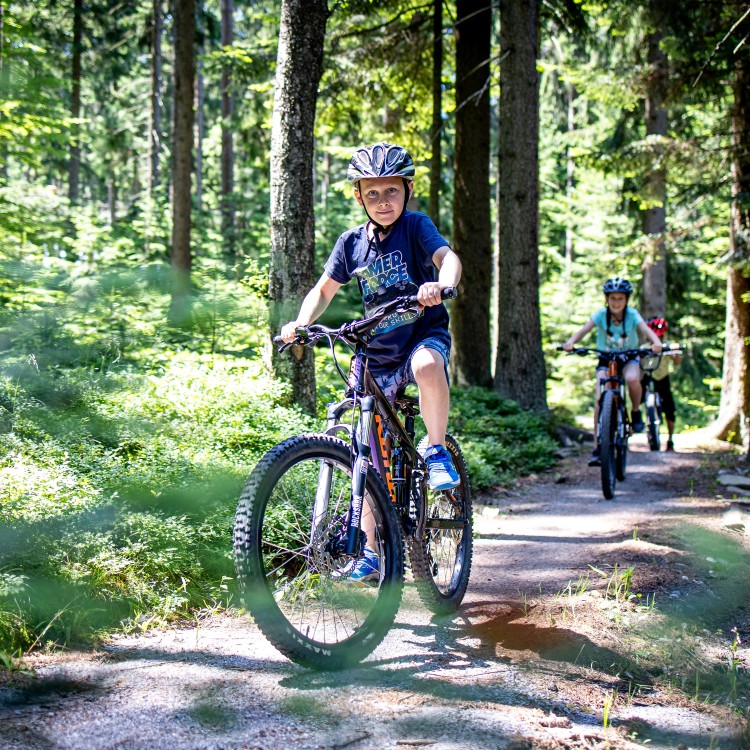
(293, 575)
(441, 559)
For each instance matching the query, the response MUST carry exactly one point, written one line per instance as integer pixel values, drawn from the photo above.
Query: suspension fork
(360, 468)
(322, 495)
(325, 472)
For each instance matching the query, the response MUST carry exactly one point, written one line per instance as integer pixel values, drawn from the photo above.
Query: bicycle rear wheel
(652, 419)
(292, 570)
(441, 559)
(608, 443)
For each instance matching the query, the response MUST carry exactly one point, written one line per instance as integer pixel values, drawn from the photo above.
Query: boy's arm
(449, 275)
(656, 345)
(313, 306)
(569, 345)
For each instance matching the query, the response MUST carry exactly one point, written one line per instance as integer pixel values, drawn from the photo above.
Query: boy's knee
(427, 363)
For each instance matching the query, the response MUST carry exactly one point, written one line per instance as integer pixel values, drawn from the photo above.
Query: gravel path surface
(538, 656)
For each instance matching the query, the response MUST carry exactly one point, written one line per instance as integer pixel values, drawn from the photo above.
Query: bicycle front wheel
(608, 443)
(623, 435)
(441, 558)
(289, 541)
(652, 418)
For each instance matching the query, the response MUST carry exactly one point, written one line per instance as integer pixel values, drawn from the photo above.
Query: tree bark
(227, 145)
(654, 297)
(519, 371)
(182, 149)
(154, 118)
(4, 90)
(199, 131)
(733, 422)
(74, 166)
(470, 320)
(570, 168)
(437, 111)
(154, 125)
(299, 67)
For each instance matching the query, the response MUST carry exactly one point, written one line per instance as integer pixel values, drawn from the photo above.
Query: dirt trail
(540, 655)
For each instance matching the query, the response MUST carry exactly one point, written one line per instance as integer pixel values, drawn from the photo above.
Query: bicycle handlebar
(582, 351)
(614, 353)
(357, 329)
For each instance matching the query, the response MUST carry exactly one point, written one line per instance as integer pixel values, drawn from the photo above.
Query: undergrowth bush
(499, 440)
(118, 491)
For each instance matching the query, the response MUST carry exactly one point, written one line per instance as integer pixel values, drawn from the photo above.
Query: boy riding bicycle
(617, 327)
(394, 253)
(660, 376)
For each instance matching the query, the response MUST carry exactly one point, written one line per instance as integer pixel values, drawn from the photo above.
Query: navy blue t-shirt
(399, 266)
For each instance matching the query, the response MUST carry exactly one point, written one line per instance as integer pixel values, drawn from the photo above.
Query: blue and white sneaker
(442, 470)
(360, 571)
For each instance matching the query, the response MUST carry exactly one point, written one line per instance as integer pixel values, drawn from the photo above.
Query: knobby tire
(294, 583)
(608, 443)
(652, 418)
(622, 433)
(441, 558)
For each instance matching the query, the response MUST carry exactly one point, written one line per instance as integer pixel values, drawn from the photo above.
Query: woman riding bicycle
(617, 327)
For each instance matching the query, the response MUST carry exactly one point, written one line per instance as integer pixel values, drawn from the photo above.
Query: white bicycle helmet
(380, 160)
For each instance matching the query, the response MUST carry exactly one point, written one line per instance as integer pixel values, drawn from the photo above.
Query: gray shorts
(391, 382)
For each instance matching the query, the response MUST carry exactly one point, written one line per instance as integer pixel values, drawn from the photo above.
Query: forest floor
(588, 624)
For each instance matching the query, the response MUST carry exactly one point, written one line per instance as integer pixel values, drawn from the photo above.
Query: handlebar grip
(278, 340)
(450, 292)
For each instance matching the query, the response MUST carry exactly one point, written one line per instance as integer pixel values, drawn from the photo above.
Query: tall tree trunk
(733, 422)
(570, 166)
(470, 320)
(437, 111)
(519, 371)
(182, 151)
(198, 143)
(154, 125)
(74, 165)
(4, 89)
(654, 298)
(154, 118)
(299, 67)
(227, 145)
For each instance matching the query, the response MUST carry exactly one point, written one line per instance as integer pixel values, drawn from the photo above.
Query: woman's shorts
(622, 361)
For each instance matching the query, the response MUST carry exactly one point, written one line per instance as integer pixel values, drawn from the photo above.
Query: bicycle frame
(377, 430)
(372, 432)
(614, 382)
(652, 397)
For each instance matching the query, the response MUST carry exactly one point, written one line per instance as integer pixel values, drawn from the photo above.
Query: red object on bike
(658, 325)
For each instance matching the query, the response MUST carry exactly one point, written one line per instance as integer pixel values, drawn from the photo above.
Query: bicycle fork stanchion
(359, 474)
(322, 493)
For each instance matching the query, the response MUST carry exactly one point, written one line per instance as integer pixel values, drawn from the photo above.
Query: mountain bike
(649, 363)
(315, 501)
(613, 428)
